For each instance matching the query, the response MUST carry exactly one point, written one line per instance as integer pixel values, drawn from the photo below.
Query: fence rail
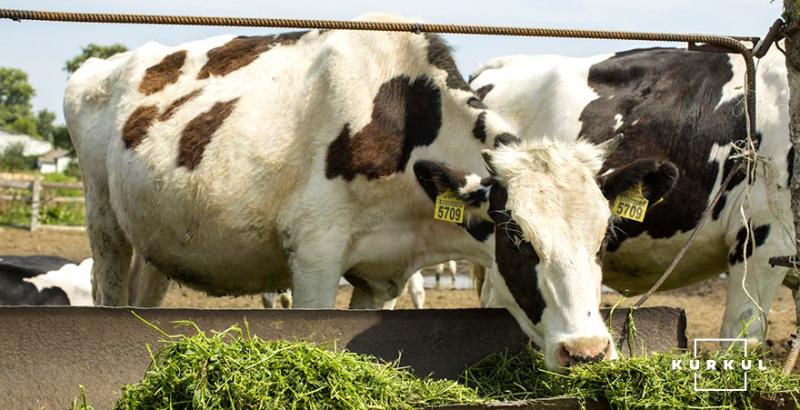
(37, 199)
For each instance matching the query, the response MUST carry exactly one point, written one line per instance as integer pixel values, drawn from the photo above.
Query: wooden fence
(38, 199)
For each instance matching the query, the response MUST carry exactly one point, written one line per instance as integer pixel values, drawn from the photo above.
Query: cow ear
(437, 178)
(657, 179)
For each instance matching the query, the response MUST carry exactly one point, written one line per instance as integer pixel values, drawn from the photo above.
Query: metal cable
(726, 43)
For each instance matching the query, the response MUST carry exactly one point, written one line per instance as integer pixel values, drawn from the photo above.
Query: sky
(41, 48)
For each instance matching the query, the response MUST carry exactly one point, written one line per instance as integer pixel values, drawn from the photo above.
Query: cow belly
(640, 261)
(228, 250)
(228, 272)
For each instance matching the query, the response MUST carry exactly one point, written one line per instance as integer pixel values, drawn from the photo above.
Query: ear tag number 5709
(631, 204)
(449, 207)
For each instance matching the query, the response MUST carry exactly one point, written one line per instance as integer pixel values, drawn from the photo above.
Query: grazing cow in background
(449, 266)
(280, 299)
(238, 165)
(44, 280)
(283, 297)
(687, 108)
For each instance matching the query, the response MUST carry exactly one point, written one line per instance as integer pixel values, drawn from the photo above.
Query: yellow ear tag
(449, 207)
(630, 204)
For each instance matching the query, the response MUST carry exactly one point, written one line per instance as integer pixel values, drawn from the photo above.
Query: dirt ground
(704, 302)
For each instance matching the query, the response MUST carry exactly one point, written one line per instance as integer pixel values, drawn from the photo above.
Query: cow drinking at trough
(238, 165)
(687, 108)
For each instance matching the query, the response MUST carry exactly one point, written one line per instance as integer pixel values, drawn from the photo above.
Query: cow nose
(583, 350)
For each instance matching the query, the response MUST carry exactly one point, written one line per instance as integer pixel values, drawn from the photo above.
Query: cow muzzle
(584, 350)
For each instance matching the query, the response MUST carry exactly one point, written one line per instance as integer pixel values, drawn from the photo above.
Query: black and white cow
(687, 108)
(238, 165)
(44, 280)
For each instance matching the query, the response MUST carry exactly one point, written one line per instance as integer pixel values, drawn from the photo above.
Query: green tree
(93, 50)
(44, 124)
(61, 139)
(13, 158)
(15, 101)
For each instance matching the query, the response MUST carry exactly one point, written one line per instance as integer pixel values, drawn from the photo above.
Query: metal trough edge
(47, 352)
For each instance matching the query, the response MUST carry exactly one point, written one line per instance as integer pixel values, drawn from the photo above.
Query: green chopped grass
(637, 382)
(234, 370)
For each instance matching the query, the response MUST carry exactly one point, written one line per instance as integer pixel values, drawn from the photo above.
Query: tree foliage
(44, 124)
(15, 101)
(93, 50)
(13, 158)
(16, 110)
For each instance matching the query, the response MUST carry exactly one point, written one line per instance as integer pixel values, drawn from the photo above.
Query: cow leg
(751, 290)
(148, 286)
(478, 277)
(273, 300)
(416, 289)
(315, 275)
(486, 291)
(438, 275)
(453, 272)
(110, 249)
(268, 299)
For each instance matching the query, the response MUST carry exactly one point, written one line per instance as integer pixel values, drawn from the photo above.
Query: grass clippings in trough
(638, 382)
(234, 370)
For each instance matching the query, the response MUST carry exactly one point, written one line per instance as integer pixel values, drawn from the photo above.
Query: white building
(56, 160)
(33, 146)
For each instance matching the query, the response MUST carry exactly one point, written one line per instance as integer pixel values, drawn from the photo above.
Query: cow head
(550, 212)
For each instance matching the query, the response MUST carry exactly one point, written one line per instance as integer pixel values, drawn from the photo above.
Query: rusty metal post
(792, 67)
(792, 17)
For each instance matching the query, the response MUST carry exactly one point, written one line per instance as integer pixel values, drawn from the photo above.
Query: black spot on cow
(790, 166)
(159, 76)
(668, 101)
(516, 259)
(242, 51)
(481, 92)
(480, 229)
(758, 236)
(198, 132)
(440, 56)
(14, 290)
(715, 214)
(405, 114)
(479, 131)
(137, 125)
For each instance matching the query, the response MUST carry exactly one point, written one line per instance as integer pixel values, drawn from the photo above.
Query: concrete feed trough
(48, 351)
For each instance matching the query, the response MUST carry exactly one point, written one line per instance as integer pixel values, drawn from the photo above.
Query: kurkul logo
(739, 362)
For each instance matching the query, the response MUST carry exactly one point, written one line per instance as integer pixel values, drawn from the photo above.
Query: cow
(415, 287)
(238, 165)
(685, 107)
(450, 267)
(416, 290)
(280, 299)
(44, 280)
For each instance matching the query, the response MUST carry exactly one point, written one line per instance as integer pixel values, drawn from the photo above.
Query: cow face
(550, 218)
